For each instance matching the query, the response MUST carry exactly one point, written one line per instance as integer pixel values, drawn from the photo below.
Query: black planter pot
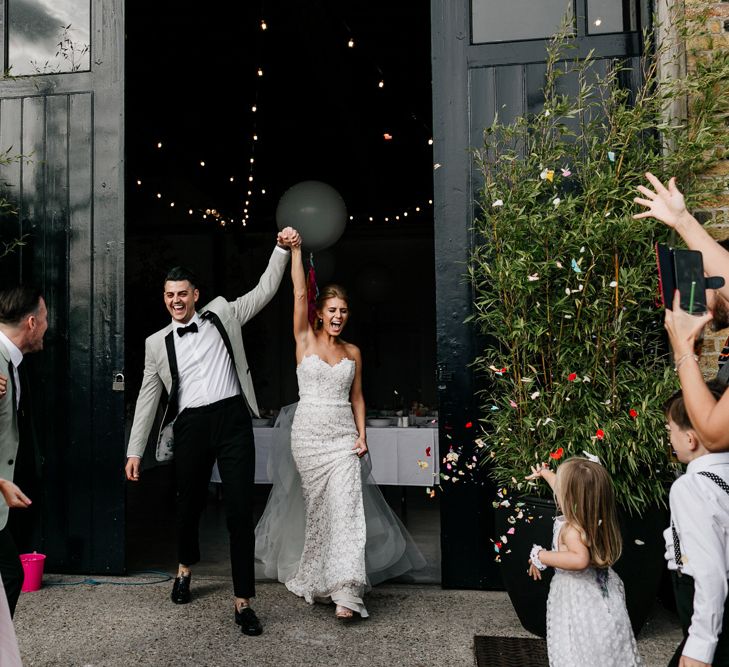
(640, 567)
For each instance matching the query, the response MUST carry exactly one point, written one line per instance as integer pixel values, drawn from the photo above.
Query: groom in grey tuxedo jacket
(200, 361)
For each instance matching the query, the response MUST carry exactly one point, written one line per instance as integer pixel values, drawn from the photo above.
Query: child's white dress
(587, 622)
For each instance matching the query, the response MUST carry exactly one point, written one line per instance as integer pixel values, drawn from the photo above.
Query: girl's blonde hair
(585, 494)
(329, 292)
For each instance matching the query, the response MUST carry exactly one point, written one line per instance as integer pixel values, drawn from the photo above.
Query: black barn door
(61, 122)
(488, 56)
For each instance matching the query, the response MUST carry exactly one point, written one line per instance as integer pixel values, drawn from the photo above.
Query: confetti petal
(558, 454)
(571, 377)
(576, 267)
(611, 156)
(566, 172)
(512, 404)
(497, 203)
(556, 202)
(600, 434)
(633, 413)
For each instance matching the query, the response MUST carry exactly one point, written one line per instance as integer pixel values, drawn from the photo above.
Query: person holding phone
(709, 416)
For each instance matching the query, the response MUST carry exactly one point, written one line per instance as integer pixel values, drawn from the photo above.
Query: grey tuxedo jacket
(232, 315)
(9, 436)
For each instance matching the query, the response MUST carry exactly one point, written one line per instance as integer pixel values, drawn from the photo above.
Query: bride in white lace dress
(348, 538)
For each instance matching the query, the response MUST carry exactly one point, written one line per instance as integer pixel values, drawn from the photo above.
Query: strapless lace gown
(323, 435)
(587, 622)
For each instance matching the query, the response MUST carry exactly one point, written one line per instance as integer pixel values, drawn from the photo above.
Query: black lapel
(172, 404)
(11, 373)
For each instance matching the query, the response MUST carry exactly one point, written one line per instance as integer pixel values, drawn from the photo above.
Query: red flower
(469, 424)
(633, 413)
(427, 451)
(572, 377)
(600, 434)
(557, 455)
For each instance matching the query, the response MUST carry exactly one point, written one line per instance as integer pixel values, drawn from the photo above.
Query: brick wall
(715, 214)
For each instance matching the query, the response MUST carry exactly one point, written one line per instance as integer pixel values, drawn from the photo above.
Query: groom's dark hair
(182, 273)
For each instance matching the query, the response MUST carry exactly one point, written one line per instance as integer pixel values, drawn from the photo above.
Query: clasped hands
(288, 237)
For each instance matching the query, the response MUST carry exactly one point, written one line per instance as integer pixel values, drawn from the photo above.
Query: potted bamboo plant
(574, 358)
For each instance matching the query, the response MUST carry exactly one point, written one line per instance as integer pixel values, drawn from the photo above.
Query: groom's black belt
(214, 407)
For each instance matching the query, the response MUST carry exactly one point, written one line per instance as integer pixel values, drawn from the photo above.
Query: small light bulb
(247, 202)
(430, 201)
(417, 208)
(351, 217)
(252, 160)
(159, 196)
(250, 179)
(260, 72)
(405, 214)
(190, 211)
(264, 26)
(430, 141)
(350, 43)
(255, 137)
(263, 191)
(371, 218)
(387, 219)
(249, 193)
(598, 22)
(254, 108)
(244, 223)
(172, 204)
(208, 211)
(387, 136)
(381, 84)
(245, 210)
(202, 163)
(204, 216)
(159, 144)
(139, 182)
(222, 223)
(397, 217)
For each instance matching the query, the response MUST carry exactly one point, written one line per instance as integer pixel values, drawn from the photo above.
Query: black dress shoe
(181, 590)
(248, 621)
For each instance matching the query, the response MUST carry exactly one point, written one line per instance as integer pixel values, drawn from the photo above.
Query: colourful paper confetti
(558, 454)
(572, 377)
(600, 434)
(633, 413)
(576, 267)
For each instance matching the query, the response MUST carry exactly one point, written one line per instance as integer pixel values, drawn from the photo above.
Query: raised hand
(663, 203)
(289, 238)
(538, 471)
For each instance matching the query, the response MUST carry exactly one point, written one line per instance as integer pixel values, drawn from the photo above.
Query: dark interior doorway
(194, 75)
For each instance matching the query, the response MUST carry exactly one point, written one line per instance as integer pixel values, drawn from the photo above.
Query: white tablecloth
(400, 456)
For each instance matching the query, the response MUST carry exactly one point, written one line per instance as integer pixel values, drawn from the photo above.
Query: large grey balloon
(316, 210)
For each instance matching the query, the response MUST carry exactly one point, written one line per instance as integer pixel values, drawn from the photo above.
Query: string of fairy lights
(242, 216)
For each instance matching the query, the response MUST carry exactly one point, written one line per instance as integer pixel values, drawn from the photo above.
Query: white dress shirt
(16, 358)
(700, 515)
(205, 369)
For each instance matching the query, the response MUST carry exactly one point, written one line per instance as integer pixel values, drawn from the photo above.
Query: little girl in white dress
(587, 622)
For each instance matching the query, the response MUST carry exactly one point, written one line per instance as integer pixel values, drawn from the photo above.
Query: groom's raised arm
(250, 304)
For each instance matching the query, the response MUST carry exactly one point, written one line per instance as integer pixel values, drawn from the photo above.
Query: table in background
(400, 456)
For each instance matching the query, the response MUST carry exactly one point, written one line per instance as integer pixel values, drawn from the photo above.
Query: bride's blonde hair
(585, 494)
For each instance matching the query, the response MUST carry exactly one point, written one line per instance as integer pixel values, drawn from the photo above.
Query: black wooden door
(489, 56)
(61, 110)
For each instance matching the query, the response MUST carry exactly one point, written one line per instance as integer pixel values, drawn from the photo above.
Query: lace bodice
(322, 383)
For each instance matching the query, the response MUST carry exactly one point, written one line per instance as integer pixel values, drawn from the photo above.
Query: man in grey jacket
(23, 323)
(200, 361)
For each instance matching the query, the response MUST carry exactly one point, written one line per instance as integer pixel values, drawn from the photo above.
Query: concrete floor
(413, 624)
(410, 625)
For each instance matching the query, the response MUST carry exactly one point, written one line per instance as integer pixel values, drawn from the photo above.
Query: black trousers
(10, 568)
(683, 590)
(219, 431)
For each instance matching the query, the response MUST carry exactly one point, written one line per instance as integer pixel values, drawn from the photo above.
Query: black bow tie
(190, 328)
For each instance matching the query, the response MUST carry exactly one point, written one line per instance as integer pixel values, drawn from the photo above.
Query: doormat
(510, 651)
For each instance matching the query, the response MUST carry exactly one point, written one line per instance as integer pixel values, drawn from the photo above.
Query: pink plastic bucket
(33, 570)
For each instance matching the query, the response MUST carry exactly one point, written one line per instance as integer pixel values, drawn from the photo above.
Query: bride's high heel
(343, 613)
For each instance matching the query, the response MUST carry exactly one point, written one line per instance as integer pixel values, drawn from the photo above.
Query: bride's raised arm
(301, 302)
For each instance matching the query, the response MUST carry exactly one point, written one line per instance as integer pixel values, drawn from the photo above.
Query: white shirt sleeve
(703, 550)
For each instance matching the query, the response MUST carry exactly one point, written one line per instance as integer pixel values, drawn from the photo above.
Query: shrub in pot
(574, 357)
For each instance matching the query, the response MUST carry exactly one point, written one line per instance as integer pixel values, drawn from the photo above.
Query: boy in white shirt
(697, 542)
